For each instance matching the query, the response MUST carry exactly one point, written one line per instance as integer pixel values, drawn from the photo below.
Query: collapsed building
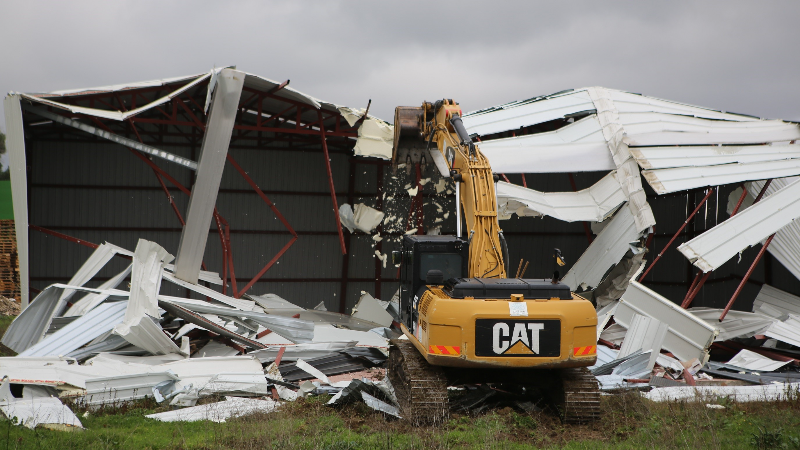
(283, 257)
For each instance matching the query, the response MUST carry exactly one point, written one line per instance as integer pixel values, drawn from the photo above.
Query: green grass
(5, 321)
(629, 422)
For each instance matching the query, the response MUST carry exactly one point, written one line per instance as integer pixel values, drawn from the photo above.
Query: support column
(15, 145)
(213, 153)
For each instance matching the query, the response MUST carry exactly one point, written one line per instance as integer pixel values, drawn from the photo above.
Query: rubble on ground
(105, 346)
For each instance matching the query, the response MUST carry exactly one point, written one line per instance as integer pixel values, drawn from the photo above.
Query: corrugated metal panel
(746, 229)
(591, 204)
(661, 129)
(680, 179)
(694, 156)
(785, 247)
(80, 331)
(606, 250)
(688, 336)
(515, 115)
(574, 148)
(775, 302)
(736, 323)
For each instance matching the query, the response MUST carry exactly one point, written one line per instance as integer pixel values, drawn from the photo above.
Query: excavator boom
(436, 129)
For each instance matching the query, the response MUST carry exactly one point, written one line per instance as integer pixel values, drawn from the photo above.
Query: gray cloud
(731, 55)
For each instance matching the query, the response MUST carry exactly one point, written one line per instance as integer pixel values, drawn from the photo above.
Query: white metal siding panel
(592, 204)
(606, 249)
(688, 337)
(15, 145)
(746, 229)
(515, 116)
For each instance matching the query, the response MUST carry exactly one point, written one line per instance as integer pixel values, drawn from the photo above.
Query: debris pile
(647, 342)
(104, 346)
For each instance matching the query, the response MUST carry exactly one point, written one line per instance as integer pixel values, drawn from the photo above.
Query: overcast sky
(730, 55)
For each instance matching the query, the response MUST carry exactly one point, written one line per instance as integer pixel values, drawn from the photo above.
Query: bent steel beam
(213, 154)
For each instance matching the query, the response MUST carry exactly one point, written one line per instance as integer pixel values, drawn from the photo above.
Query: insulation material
(776, 303)
(363, 217)
(688, 337)
(606, 250)
(713, 248)
(375, 137)
(646, 334)
(139, 326)
(31, 412)
(593, 204)
(219, 411)
(785, 246)
(753, 361)
(627, 169)
(765, 393)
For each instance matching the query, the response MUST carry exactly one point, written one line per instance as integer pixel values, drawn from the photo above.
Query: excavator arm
(435, 131)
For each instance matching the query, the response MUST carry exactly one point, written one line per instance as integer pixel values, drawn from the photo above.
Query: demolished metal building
(236, 174)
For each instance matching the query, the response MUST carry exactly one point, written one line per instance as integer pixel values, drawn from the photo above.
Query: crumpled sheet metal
(592, 204)
(31, 412)
(244, 305)
(776, 303)
(606, 250)
(292, 353)
(34, 321)
(139, 326)
(297, 330)
(92, 299)
(80, 331)
(715, 247)
(191, 317)
(123, 388)
(785, 247)
(218, 412)
(688, 337)
(737, 324)
(771, 392)
(628, 175)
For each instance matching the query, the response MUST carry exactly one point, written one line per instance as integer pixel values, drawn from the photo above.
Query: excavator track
(421, 388)
(580, 402)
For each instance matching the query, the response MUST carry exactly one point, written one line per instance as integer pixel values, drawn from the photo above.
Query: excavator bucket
(409, 144)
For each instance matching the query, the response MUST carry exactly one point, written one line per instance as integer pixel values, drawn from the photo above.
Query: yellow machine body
(446, 334)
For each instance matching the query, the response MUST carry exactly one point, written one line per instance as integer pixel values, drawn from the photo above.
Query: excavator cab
(421, 255)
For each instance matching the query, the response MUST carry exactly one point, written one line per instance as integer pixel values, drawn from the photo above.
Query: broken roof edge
(565, 92)
(50, 98)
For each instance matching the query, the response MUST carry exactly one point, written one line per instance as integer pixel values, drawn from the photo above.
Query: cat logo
(519, 338)
(522, 339)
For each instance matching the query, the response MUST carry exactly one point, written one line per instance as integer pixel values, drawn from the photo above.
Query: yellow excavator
(464, 319)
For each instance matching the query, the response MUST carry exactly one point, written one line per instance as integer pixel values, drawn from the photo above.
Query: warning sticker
(518, 309)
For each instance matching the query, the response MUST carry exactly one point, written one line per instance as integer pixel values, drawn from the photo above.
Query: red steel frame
(241, 130)
(675, 236)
